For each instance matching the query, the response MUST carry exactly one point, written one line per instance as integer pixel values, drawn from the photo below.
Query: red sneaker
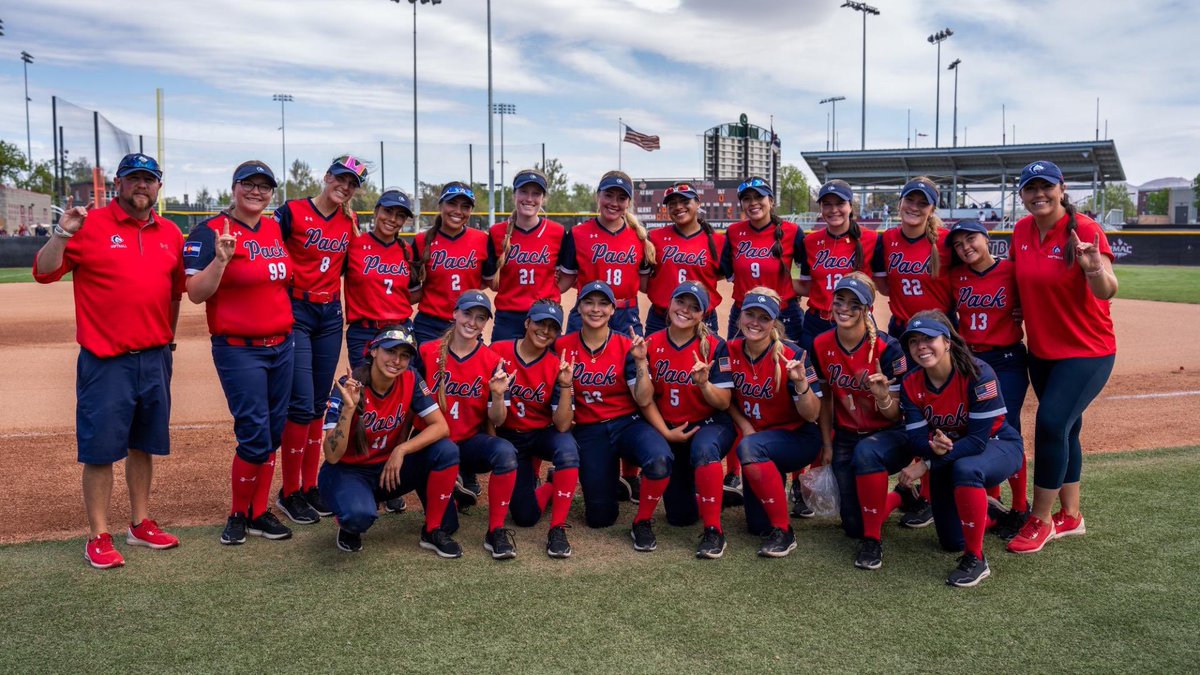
(1066, 526)
(148, 534)
(99, 552)
(1032, 537)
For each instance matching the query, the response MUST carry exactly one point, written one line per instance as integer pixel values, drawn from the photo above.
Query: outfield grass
(1122, 598)
(15, 275)
(1166, 283)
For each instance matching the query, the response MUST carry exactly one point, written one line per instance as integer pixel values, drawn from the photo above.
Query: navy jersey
(969, 411)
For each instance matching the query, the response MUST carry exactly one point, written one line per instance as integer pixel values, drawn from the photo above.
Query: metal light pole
(954, 66)
(865, 9)
(491, 135)
(283, 99)
(833, 100)
(937, 39)
(416, 194)
(27, 59)
(502, 109)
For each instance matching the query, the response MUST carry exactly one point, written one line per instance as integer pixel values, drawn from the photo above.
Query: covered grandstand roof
(989, 164)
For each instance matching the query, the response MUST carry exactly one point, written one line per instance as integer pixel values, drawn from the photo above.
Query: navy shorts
(123, 403)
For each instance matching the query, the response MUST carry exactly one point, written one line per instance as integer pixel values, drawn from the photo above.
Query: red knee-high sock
(733, 465)
(438, 487)
(500, 489)
(262, 488)
(312, 455)
(244, 476)
(972, 511)
(994, 492)
(652, 492)
(710, 491)
(565, 481)
(536, 464)
(629, 468)
(1020, 501)
(925, 489)
(295, 442)
(543, 494)
(766, 481)
(873, 497)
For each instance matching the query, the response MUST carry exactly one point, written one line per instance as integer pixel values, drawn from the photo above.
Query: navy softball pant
(508, 325)
(557, 447)
(318, 337)
(257, 382)
(710, 444)
(845, 450)
(601, 446)
(1065, 388)
(790, 450)
(1012, 372)
(352, 491)
(789, 315)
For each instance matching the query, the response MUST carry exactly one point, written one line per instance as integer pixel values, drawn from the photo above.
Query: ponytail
(426, 249)
(442, 359)
(708, 232)
(777, 223)
(701, 333)
(647, 245)
(855, 232)
(504, 247)
(932, 226)
(1072, 223)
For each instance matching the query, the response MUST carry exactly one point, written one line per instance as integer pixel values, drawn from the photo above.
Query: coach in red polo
(128, 274)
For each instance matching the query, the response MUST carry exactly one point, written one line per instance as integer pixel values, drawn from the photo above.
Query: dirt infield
(1150, 402)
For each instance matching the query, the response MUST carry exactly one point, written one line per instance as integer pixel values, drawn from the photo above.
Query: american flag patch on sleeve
(987, 390)
(899, 366)
(425, 389)
(191, 249)
(723, 364)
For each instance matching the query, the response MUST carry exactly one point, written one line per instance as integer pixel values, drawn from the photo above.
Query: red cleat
(1067, 526)
(99, 552)
(1033, 536)
(148, 534)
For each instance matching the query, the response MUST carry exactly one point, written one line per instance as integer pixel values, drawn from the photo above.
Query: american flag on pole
(648, 143)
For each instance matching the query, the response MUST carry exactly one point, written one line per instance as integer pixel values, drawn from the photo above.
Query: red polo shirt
(127, 274)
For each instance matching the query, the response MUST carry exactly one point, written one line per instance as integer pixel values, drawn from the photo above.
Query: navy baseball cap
(931, 195)
(1047, 171)
(682, 190)
(249, 170)
(351, 165)
(618, 182)
(839, 188)
(968, 225)
(528, 176)
(757, 184)
(764, 302)
(545, 310)
(453, 190)
(696, 291)
(136, 161)
(927, 327)
(395, 198)
(392, 337)
(473, 299)
(598, 287)
(856, 286)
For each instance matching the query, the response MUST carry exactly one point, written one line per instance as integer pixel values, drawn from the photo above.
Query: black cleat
(630, 489)
(778, 543)
(439, 542)
(970, 571)
(557, 545)
(800, 508)
(920, 515)
(268, 526)
(466, 494)
(642, 532)
(712, 544)
(500, 543)
(397, 505)
(733, 494)
(350, 542)
(1010, 524)
(235, 530)
(296, 508)
(313, 496)
(870, 554)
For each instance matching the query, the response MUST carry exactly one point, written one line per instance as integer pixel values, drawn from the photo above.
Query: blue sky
(573, 67)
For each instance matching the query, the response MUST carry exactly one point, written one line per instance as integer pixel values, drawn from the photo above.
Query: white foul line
(43, 434)
(1168, 394)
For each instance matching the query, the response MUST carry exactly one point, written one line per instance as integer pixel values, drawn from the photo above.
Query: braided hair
(867, 315)
(1072, 224)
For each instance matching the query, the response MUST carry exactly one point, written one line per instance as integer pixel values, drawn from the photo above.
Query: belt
(270, 341)
(141, 351)
(626, 304)
(376, 325)
(824, 314)
(314, 297)
(843, 430)
(992, 348)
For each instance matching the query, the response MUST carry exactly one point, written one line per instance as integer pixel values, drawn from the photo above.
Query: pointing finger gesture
(72, 219)
(700, 370)
(566, 373)
(638, 346)
(226, 245)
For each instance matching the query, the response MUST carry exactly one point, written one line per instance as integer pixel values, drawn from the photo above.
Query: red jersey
(616, 258)
(465, 381)
(985, 302)
(679, 399)
(386, 418)
(825, 258)
(603, 378)
(455, 266)
(755, 389)
(1066, 321)
(317, 245)
(252, 300)
(529, 269)
(685, 258)
(534, 393)
(127, 275)
(378, 279)
(968, 411)
(911, 288)
(843, 374)
(748, 261)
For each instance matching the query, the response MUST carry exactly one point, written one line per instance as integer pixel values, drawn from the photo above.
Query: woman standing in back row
(914, 257)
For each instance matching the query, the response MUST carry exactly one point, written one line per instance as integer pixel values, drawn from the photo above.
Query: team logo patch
(117, 241)
(987, 390)
(192, 249)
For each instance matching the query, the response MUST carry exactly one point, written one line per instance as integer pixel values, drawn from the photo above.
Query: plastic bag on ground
(820, 490)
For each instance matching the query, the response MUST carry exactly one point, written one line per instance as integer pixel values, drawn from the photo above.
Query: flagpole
(620, 128)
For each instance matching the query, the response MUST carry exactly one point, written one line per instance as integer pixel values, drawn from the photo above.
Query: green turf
(1122, 598)
(1166, 283)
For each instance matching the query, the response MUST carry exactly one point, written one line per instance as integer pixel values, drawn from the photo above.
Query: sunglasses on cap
(397, 335)
(753, 183)
(353, 163)
(677, 189)
(456, 190)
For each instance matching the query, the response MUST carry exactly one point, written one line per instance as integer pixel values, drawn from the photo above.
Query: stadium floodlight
(865, 9)
(27, 59)
(937, 39)
(503, 109)
(954, 66)
(832, 100)
(416, 194)
(283, 98)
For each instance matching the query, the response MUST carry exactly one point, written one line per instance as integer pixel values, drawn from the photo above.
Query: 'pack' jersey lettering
(317, 244)
(679, 399)
(985, 302)
(825, 258)
(386, 418)
(684, 258)
(596, 254)
(844, 376)
(757, 391)
(534, 392)
(911, 286)
(465, 382)
(455, 266)
(968, 411)
(378, 280)
(747, 258)
(529, 269)
(603, 378)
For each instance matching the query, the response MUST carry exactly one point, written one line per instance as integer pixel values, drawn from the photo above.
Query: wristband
(59, 232)
(1097, 273)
